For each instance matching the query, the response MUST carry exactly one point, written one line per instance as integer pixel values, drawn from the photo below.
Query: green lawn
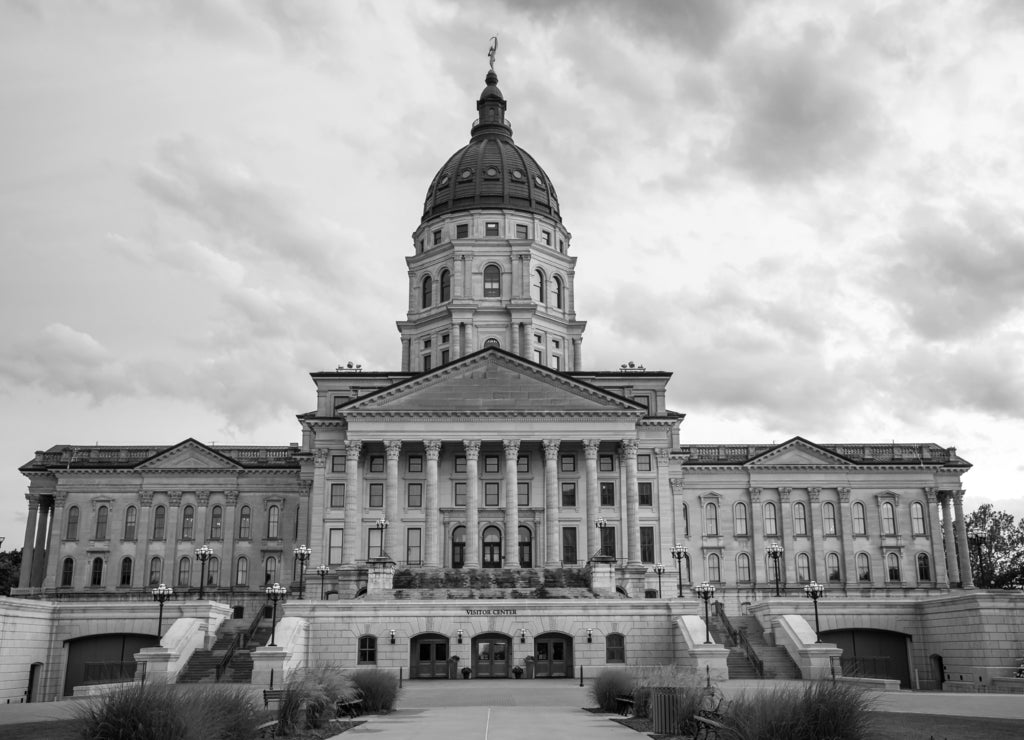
(896, 726)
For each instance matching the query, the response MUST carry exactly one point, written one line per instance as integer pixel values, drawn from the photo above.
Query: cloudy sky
(811, 212)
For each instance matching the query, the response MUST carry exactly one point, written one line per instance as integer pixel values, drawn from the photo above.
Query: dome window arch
(446, 286)
(492, 342)
(492, 281)
(558, 292)
(426, 291)
(539, 286)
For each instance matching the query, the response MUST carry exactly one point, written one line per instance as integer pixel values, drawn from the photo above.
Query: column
(966, 579)
(406, 354)
(552, 549)
(472, 447)
(849, 551)
(55, 538)
(459, 278)
(392, 448)
(663, 509)
(818, 533)
(935, 531)
(514, 338)
(785, 525)
(952, 567)
(202, 507)
(230, 513)
(173, 512)
(593, 498)
(757, 534)
(353, 499)
(628, 448)
(470, 339)
(142, 533)
(304, 516)
(432, 551)
(28, 548)
(318, 501)
(39, 555)
(511, 503)
(577, 354)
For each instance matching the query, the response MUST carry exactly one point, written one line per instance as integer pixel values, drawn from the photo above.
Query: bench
(624, 704)
(270, 695)
(267, 729)
(709, 717)
(353, 707)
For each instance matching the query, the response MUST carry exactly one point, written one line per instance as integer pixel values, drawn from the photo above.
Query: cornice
(391, 414)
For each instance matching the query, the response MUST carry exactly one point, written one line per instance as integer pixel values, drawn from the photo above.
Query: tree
(995, 545)
(10, 569)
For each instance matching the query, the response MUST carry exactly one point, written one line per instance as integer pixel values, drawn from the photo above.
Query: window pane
(460, 494)
(413, 549)
(376, 495)
(568, 494)
(569, 545)
(335, 546)
(568, 463)
(607, 493)
(740, 525)
(711, 520)
(606, 463)
(337, 495)
(338, 463)
(491, 496)
(415, 495)
(643, 463)
(524, 494)
(645, 490)
(646, 544)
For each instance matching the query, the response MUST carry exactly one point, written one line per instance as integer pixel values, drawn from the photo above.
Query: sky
(810, 212)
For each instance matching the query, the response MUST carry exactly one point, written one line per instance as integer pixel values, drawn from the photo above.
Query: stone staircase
(443, 594)
(777, 663)
(202, 666)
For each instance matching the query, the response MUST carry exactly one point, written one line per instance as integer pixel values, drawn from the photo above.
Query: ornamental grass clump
(311, 695)
(687, 690)
(820, 710)
(379, 689)
(608, 684)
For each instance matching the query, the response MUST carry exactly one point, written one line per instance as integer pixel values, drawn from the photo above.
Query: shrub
(310, 696)
(379, 687)
(820, 710)
(608, 684)
(688, 695)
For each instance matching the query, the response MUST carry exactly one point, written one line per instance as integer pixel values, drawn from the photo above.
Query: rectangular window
(338, 463)
(374, 543)
(460, 494)
(445, 338)
(567, 463)
(568, 494)
(643, 462)
(547, 237)
(522, 232)
(538, 356)
(377, 464)
(415, 496)
(569, 546)
(561, 245)
(428, 343)
(460, 463)
(337, 495)
(491, 464)
(606, 463)
(615, 648)
(538, 339)
(523, 464)
(427, 364)
(446, 355)
(334, 546)
(646, 544)
(645, 490)
(462, 231)
(376, 495)
(491, 228)
(367, 650)
(491, 496)
(415, 463)
(608, 541)
(607, 493)
(413, 546)
(437, 236)
(524, 494)
(556, 363)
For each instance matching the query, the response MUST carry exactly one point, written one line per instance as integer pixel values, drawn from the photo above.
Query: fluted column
(552, 551)
(818, 533)
(592, 496)
(318, 501)
(511, 503)
(785, 525)
(758, 543)
(29, 546)
(39, 556)
(849, 551)
(935, 526)
(228, 553)
(952, 566)
(663, 507)
(55, 539)
(472, 447)
(142, 533)
(303, 535)
(352, 535)
(393, 447)
(966, 578)
(202, 507)
(433, 551)
(628, 456)
(172, 533)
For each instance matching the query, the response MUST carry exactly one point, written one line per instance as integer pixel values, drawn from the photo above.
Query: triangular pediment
(492, 381)
(189, 455)
(798, 451)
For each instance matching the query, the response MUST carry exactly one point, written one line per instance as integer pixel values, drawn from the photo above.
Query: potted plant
(517, 671)
(528, 661)
(453, 667)
(466, 672)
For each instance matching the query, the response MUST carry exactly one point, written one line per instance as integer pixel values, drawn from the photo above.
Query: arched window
(863, 567)
(126, 572)
(216, 523)
(558, 292)
(714, 568)
(684, 516)
(72, 530)
(924, 567)
(892, 567)
(273, 523)
(458, 547)
(917, 518)
(156, 567)
(615, 648)
(242, 572)
(188, 523)
(710, 520)
(828, 515)
(129, 522)
(539, 286)
(367, 650)
(771, 526)
(492, 282)
(185, 572)
(101, 523)
(832, 566)
(159, 522)
(270, 570)
(427, 291)
(740, 519)
(446, 286)
(96, 578)
(525, 547)
(492, 342)
(799, 518)
(858, 518)
(213, 572)
(803, 568)
(67, 572)
(245, 523)
(888, 518)
(492, 548)
(743, 567)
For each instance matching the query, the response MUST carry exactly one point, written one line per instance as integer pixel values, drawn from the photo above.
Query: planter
(467, 672)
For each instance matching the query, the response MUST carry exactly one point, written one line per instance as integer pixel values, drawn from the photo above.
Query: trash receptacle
(664, 710)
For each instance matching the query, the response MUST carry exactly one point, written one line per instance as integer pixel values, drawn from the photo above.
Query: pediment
(492, 381)
(798, 451)
(189, 455)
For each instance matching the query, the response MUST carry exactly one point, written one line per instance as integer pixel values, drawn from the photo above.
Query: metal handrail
(253, 626)
(228, 654)
(720, 613)
(748, 650)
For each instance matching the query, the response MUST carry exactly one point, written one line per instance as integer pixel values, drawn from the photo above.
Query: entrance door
(459, 547)
(553, 655)
(491, 656)
(492, 548)
(33, 682)
(429, 657)
(525, 547)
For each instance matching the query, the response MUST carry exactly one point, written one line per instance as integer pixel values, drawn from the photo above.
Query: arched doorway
(108, 658)
(552, 652)
(873, 653)
(35, 672)
(525, 547)
(428, 656)
(458, 547)
(492, 548)
(492, 655)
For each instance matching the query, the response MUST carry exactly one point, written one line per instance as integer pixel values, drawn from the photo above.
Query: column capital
(814, 493)
(551, 448)
(59, 497)
(590, 448)
(662, 456)
(627, 448)
(231, 495)
(472, 448)
(511, 448)
(433, 448)
(844, 494)
(958, 496)
(676, 484)
(34, 499)
(755, 494)
(320, 457)
(393, 447)
(145, 498)
(203, 497)
(931, 494)
(784, 493)
(352, 449)
(174, 498)
(305, 488)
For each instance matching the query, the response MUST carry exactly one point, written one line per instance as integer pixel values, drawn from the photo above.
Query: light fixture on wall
(460, 636)
(590, 634)
(522, 635)
(392, 637)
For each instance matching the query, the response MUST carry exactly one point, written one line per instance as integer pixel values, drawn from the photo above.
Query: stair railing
(729, 631)
(740, 638)
(228, 654)
(253, 626)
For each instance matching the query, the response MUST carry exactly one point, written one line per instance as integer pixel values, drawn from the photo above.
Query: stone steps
(443, 594)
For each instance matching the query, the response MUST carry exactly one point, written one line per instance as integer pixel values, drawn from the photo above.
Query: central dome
(491, 171)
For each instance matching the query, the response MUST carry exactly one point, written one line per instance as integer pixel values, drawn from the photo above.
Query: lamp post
(979, 538)
(203, 553)
(774, 551)
(815, 591)
(322, 571)
(302, 553)
(679, 552)
(381, 525)
(705, 590)
(601, 523)
(161, 593)
(275, 593)
(659, 569)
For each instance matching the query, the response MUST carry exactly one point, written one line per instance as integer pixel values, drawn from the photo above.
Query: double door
(492, 656)
(553, 654)
(430, 657)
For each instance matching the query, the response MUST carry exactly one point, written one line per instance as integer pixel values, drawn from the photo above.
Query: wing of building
(493, 465)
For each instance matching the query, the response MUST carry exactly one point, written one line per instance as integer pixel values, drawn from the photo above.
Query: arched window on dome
(427, 291)
(446, 286)
(492, 282)
(539, 286)
(557, 292)
(492, 342)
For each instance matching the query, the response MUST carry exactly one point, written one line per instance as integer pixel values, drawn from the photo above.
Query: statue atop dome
(493, 51)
